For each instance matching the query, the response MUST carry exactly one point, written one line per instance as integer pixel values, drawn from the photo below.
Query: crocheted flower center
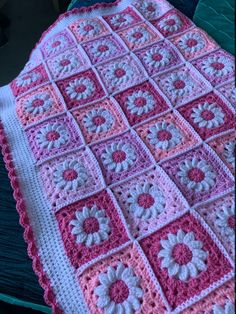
(150, 8)
(26, 77)
(91, 225)
(56, 44)
(37, 102)
(218, 65)
(164, 135)
(70, 175)
(65, 62)
(145, 200)
(80, 88)
(157, 57)
(191, 42)
(171, 22)
(88, 27)
(207, 115)
(120, 72)
(179, 84)
(103, 48)
(52, 136)
(119, 156)
(138, 35)
(231, 222)
(98, 120)
(196, 175)
(182, 254)
(121, 19)
(140, 102)
(118, 291)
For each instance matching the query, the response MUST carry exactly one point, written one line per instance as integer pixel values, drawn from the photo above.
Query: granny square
(37, 105)
(91, 228)
(70, 177)
(185, 259)
(159, 57)
(100, 120)
(121, 157)
(199, 174)
(209, 115)
(138, 36)
(121, 278)
(29, 80)
(84, 29)
(182, 85)
(150, 9)
(218, 66)
(67, 63)
(194, 43)
(220, 216)
(80, 89)
(171, 23)
(56, 44)
(228, 90)
(122, 19)
(148, 201)
(54, 136)
(167, 135)
(224, 146)
(142, 102)
(121, 73)
(104, 49)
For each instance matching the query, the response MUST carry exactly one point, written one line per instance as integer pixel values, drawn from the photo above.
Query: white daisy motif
(228, 308)
(157, 57)
(103, 48)
(172, 23)
(80, 88)
(91, 226)
(217, 66)
(146, 201)
(196, 174)
(38, 103)
(89, 28)
(183, 255)
(140, 102)
(27, 79)
(208, 115)
(118, 157)
(119, 73)
(192, 42)
(52, 136)
(138, 35)
(229, 152)
(150, 9)
(70, 175)
(66, 63)
(98, 120)
(179, 85)
(55, 44)
(164, 135)
(119, 290)
(225, 220)
(121, 20)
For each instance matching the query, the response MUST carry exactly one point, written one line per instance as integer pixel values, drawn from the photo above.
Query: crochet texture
(118, 137)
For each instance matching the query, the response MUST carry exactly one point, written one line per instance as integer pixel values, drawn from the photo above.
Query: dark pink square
(28, 80)
(199, 174)
(176, 290)
(141, 102)
(77, 248)
(121, 157)
(173, 22)
(81, 89)
(54, 136)
(122, 19)
(209, 115)
(159, 57)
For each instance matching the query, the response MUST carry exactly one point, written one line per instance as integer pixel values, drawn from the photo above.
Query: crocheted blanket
(118, 137)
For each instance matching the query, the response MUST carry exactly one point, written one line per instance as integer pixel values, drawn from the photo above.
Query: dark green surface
(216, 17)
